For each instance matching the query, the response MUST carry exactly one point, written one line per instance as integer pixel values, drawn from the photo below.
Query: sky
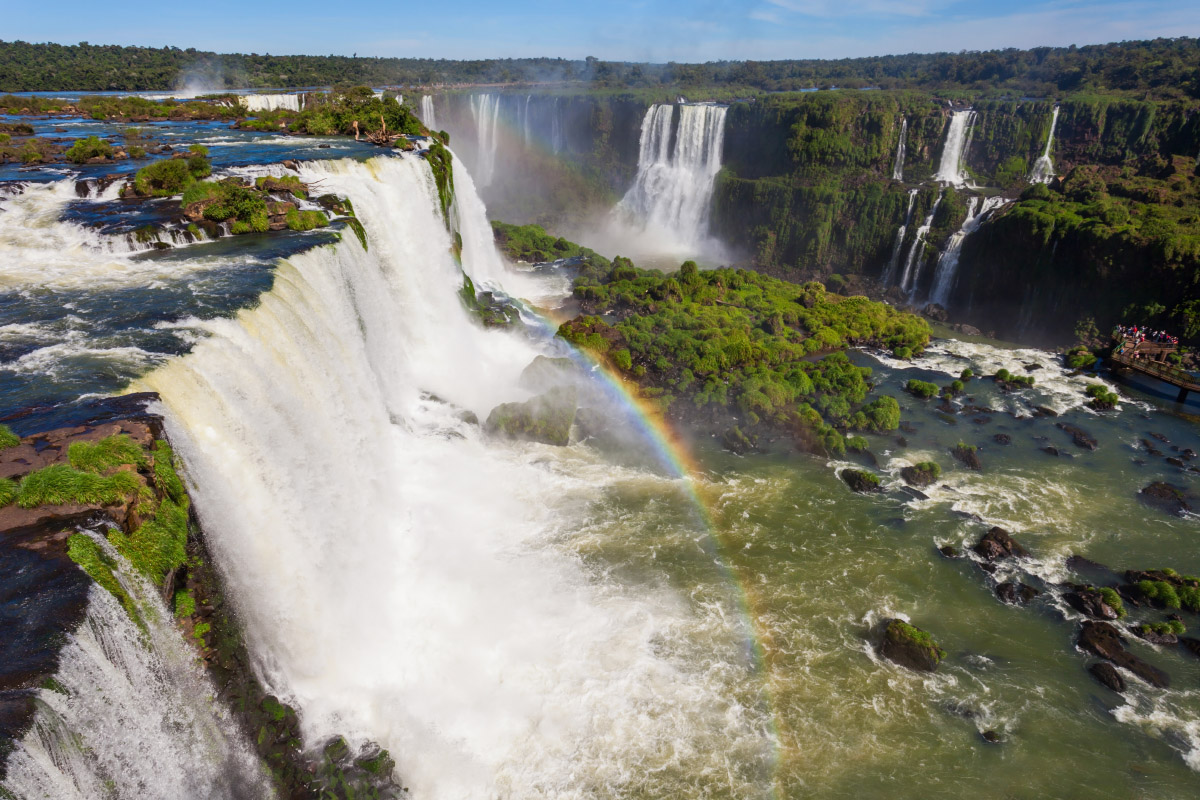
(621, 30)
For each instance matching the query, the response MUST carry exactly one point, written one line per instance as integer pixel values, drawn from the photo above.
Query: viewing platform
(1150, 358)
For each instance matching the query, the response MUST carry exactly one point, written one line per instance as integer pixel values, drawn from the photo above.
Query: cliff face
(808, 190)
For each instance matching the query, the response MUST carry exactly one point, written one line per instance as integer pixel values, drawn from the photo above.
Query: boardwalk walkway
(1149, 358)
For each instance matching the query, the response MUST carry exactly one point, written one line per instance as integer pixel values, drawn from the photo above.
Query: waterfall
(272, 102)
(428, 116)
(943, 281)
(485, 108)
(1043, 168)
(898, 168)
(916, 253)
(525, 121)
(894, 261)
(556, 133)
(672, 194)
(400, 576)
(135, 717)
(958, 141)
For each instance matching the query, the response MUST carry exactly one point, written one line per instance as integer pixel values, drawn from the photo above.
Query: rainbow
(676, 458)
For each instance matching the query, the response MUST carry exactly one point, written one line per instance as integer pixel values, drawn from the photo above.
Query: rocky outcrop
(1016, 594)
(1166, 497)
(1106, 674)
(546, 418)
(861, 481)
(1102, 639)
(997, 544)
(909, 646)
(1080, 437)
(1091, 602)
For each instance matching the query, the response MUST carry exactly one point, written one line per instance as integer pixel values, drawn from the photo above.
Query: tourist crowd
(1140, 333)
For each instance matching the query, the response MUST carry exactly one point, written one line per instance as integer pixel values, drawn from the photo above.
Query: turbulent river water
(520, 620)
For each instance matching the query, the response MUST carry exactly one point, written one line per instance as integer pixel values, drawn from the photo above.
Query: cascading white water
(528, 131)
(898, 167)
(272, 102)
(396, 571)
(135, 718)
(916, 253)
(947, 268)
(894, 261)
(485, 108)
(556, 132)
(671, 197)
(958, 139)
(1043, 168)
(428, 115)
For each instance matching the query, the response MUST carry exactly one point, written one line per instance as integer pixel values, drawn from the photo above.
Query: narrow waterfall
(485, 108)
(1043, 168)
(898, 168)
(401, 576)
(272, 102)
(526, 128)
(428, 115)
(943, 280)
(894, 261)
(916, 253)
(132, 715)
(677, 167)
(958, 140)
(556, 131)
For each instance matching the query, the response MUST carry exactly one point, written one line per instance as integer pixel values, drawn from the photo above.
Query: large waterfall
(958, 140)
(428, 115)
(671, 197)
(1043, 168)
(131, 715)
(916, 253)
(485, 109)
(898, 167)
(943, 280)
(272, 102)
(399, 574)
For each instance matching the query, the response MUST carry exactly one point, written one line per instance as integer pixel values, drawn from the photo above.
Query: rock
(1042, 411)
(1154, 637)
(1151, 449)
(1191, 645)
(969, 330)
(909, 646)
(1016, 594)
(1160, 437)
(916, 476)
(292, 164)
(997, 544)
(1102, 639)
(907, 427)
(991, 737)
(1107, 675)
(1090, 602)
(968, 455)
(1002, 438)
(544, 373)
(1166, 497)
(860, 481)
(546, 418)
(1032, 367)
(935, 312)
(1050, 450)
(1081, 437)
(901, 441)
(950, 551)
(1175, 462)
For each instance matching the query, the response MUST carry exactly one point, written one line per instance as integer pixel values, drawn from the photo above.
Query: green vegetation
(8, 491)
(229, 201)
(967, 374)
(923, 473)
(290, 184)
(442, 165)
(336, 112)
(90, 556)
(1159, 592)
(8, 438)
(305, 220)
(922, 389)
(1172, 626)
(89, 148)
(704, 345)
(1012, 380)
(59, 484)
(184, 603)
(1102, 398)
(353, 224)
(531, 243)
(1113, 600)
(106, 454)
(1079, 358)
(170, 176)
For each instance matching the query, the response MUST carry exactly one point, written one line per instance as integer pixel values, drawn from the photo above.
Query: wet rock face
(1102, 639)
(1081, 437)
(997, 544)
(909, 646)
(1088, 601)
(1016, 593)
(546, 418)
(860, 481)
(1106, 674)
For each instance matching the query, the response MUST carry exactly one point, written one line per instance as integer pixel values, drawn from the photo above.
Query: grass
(157, 546)
(305, 220)
(8, 438)
(8, 491)
(91, 558)
(60, 484)
(185, 603)
(918, 636)
(1160, 592)
(1113, 600)
(106, 454)
(1163, 628)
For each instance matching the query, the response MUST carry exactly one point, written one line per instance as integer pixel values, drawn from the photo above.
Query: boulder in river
(861, 480)
(1107, 674)
(1166, 497)
(909, 646)
(1091, 602)
(922, 474)
(546, 418)
(1102, 639)
(968, 455)
(1016, 594)
(997, 544)
(1078, 435)
(1002, 438)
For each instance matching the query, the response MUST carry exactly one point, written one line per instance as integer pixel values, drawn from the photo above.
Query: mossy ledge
(121, 475)
(442, 165)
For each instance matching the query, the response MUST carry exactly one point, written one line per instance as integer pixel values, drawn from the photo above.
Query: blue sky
(639, 30)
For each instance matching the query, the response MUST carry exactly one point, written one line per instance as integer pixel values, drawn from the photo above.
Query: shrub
(136, 151)
(966, 374)
(1113, 600)
(1079, 358)
(880, 416)
(198, 149)
(1161, 592)
(163, 178)
(920, 388)
(89, 148)
(902, 353)
(857, 444)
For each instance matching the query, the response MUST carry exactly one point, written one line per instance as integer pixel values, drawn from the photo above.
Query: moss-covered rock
(922, 474)
(909, 646)
(861, 481)
(546, 418)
